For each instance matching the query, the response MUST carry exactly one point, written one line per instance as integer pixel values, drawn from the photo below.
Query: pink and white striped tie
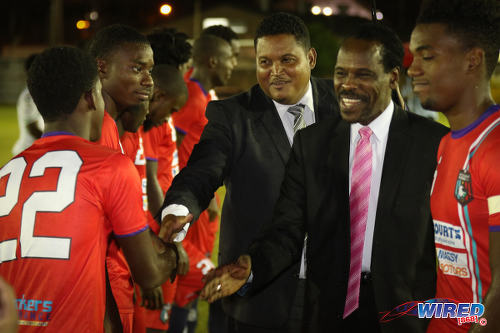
(358, 201)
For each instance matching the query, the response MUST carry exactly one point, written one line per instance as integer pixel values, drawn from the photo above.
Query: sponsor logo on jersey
(463, 188)
(33, 312)
(453, 263)
(448, 234)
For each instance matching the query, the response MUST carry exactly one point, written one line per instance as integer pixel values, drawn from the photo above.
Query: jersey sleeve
(151, 144)
(123, 197)
(488, 164)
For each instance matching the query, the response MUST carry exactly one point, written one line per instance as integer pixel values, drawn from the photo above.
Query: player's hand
(152, 299)
(8, 308)
(171, 225)
(226, 280)
(213, 210)
(183, 265)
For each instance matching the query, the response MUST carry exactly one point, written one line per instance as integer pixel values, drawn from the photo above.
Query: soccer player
(213, 65)
(64, 197)
(169, 95)
(455, 48)
(124, 60)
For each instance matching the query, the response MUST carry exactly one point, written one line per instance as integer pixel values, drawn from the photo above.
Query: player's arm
(180, 134)
(490, 179)
(492, 299)
(154, 191)
(150, 262)
(151, 265)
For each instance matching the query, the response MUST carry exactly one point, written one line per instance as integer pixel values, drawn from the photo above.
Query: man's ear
(212, 62)
(89, 99)
(475, 58)
(394, 78)
(102, 68)
(311, 57)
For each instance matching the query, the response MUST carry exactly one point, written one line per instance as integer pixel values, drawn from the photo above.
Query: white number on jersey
(43, 201)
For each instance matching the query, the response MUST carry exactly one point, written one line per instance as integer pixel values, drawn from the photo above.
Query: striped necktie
(298, 116)
(358, 202)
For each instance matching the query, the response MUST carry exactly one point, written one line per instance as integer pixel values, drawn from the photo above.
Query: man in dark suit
(353, 277)
(245, 146)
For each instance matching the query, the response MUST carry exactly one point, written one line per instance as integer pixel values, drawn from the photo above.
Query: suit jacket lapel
(322, 110)
(272, 122)
(395, 153)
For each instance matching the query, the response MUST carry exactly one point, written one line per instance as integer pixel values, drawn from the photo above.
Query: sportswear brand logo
(463, 188)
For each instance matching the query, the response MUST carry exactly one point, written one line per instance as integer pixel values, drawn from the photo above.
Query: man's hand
(213, 210)
(183, 264)
(152, 299)
(226, 280)
(171, 225)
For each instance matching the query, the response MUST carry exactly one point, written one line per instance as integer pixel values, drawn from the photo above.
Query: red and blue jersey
(62, 199)
(465, 205)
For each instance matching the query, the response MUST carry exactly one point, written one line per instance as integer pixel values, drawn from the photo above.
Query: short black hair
(207, 46)
(112, 37)
(169, 79)
(57, 79)
(284, 23)
(476, 23)
(170, 46)
(221, 31)
(392, 48)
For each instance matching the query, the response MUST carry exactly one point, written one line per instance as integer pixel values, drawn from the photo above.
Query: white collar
(379, 125)
(307, 100)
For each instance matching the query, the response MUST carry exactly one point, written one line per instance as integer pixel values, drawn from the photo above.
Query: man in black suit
(245, 146)
(395, 257)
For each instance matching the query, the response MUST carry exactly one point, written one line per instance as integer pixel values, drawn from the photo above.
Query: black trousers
(365, 317)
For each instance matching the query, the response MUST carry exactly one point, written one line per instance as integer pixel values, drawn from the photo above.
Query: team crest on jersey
(463, 188)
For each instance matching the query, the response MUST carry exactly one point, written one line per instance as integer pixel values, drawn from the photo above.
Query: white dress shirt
(378, 140)
(287, 118)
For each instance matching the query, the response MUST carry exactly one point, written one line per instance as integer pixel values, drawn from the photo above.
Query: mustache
(353, 95)
(277, 79)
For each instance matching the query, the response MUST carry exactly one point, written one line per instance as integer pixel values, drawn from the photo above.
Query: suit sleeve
(279, 245)
(208, 164)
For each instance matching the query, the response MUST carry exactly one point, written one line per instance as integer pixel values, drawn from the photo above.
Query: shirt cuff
(244, 289)
(177, 210)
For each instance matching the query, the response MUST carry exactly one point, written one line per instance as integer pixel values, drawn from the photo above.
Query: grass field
(9, 134)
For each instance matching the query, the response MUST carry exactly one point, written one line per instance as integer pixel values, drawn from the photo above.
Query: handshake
(219, 282)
